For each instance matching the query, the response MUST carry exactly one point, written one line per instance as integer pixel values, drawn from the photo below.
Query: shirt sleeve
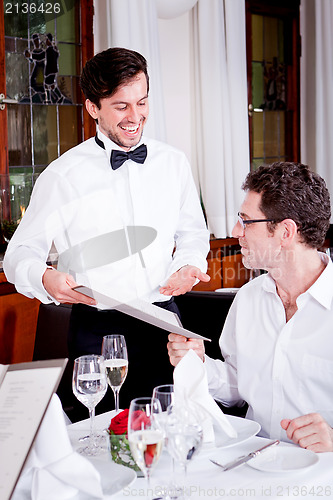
(192, 235)
(222, 375)
(25, 259)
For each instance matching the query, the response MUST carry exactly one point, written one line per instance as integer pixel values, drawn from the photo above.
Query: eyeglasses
(244, 223)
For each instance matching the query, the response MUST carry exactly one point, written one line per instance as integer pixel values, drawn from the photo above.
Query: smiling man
(277, 340)
(107, 185)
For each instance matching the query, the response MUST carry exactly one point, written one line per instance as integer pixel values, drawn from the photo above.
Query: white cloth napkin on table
(191, 387)
(52, 470)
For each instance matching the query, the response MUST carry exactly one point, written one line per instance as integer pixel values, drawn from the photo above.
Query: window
(273, 80)
(44, 47)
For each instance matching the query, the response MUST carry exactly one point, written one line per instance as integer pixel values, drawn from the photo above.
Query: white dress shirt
(281, 369)
(79, 197)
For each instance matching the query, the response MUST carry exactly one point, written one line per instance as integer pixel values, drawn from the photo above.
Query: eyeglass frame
(246, 222)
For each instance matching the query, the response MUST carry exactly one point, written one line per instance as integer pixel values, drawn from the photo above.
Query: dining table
(284, 471)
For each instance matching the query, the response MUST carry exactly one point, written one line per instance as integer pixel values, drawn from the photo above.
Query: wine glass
(145, 435)
(89, 386)
(165, 395)
(114, 351)
(184, 435)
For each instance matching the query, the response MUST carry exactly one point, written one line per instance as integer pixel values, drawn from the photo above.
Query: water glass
(184, 435)
(89, 387)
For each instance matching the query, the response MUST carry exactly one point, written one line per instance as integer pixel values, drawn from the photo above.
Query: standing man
(91, 197)
(277, 342)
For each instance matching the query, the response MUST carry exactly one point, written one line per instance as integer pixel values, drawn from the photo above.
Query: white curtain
(220, 125)
(133, 24)
(316, 24)
(219, 122)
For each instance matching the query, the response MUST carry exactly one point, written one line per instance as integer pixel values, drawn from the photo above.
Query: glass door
(273, 80)
(43, 48)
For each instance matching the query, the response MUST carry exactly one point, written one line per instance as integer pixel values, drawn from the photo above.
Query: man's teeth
(131, 129)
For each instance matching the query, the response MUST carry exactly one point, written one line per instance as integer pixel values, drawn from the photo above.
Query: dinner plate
(114, 478)
(284, 459)
(245, 430)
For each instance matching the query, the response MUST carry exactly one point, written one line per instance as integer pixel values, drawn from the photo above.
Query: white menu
(25, 392)
(157, 316)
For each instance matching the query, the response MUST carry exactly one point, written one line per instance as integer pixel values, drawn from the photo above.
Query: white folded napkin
(52, 470)
(191, 387)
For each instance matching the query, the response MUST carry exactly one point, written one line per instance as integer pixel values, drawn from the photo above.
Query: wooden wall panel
(18, 321)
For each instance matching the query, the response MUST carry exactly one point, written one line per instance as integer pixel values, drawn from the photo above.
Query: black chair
(51, 343)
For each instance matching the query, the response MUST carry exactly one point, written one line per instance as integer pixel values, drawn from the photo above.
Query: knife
(242, 460)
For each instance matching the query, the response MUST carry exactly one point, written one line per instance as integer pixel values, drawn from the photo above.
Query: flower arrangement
(119, 445)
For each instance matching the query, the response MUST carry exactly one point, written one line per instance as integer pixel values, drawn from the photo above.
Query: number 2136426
(32, 8)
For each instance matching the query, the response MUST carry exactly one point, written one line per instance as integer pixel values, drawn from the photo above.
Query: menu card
(25, 393)
(157, 316)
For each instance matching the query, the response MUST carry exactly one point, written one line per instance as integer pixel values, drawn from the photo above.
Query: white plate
(114, 478)
(284, 458)
(227, 290)
(245, 430)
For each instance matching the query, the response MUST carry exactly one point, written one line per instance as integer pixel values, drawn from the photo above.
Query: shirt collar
(269, 284)
(321, 290)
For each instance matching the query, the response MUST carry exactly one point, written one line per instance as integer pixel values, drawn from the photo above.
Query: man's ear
(289, 231)
(92, 109)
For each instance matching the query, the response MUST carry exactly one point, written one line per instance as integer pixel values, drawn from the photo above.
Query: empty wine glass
(89, 386)
(145, 435)
(114, 351)
(165, 395)
(184, 435)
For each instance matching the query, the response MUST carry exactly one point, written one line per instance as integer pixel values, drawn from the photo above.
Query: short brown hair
(108, 70)
(292, 191)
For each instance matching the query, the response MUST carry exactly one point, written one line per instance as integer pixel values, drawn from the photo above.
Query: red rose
(119, 423)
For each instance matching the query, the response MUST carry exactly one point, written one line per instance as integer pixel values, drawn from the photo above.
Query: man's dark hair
(107, 71)
(292, 191)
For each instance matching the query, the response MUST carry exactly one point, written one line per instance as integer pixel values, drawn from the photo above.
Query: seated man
(277, 340)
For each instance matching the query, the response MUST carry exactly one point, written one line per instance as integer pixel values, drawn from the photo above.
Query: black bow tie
(119, 157)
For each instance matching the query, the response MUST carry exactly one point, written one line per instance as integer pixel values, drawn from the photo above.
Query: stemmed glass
(89, 386)
(184, 435)
(145, 435)
(114, 351)
(165, 395)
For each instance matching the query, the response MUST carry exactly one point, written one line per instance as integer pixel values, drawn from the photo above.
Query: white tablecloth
(206, 481)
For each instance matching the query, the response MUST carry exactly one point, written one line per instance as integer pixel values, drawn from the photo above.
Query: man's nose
(238, 230)
(134, 115)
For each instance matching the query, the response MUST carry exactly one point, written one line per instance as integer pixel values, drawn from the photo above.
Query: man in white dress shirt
(277, 341)
(97, 192)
